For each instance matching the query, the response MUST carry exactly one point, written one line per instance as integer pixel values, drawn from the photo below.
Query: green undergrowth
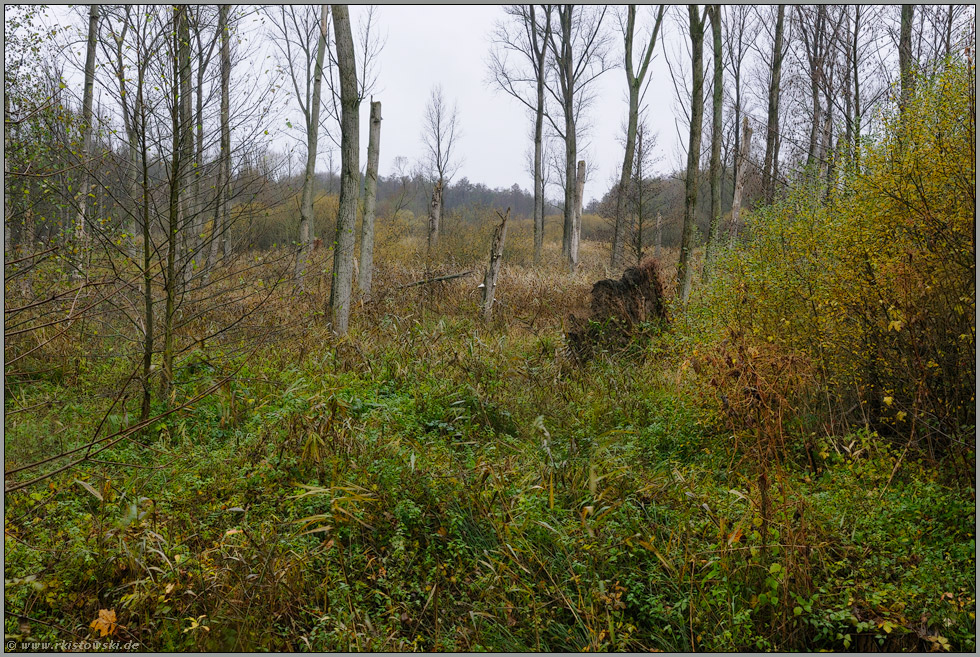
(433, 485)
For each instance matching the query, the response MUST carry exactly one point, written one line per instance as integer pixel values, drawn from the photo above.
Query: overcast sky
(449, 45)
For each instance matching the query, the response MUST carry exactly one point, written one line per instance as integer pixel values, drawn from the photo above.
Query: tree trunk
(619, 231)
(219, 227)
(567, 82)
(493, 268)
(633, 81)
(8, 247)
(181, 125)
(129, 118)
(770, 165)
(639, 190)
(539, 162)
(577, 226)
(693, 153)
(743, 160)
(905, 54)
(197, 226)
(857, 86)
(715, 170)
(186, 220)
(370, 196)
(312, 135)
(568, 224)
(80, 232)
(815, 56)
(343, 259)
(148, 322)
(658, 237)
(435, 215)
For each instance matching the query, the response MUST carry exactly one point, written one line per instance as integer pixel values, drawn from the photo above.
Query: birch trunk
(343, 259)
(370, 196)
(493, 268)
(743, 164)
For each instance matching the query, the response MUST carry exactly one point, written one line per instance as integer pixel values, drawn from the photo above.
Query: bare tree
(714, 173)
(580, 54)
(634, 81)
(526, 36)
(299, 33)
(343, 260)
(696, 30)
(740, 34)
(639, 194)
(221, 223)
(770, 164)
(87, 121)
(440, 135)
(370, 197)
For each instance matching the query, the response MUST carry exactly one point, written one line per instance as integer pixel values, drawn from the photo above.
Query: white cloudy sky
(449, 45)
(430, 45)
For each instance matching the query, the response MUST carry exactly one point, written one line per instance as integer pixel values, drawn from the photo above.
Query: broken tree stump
(493, 268)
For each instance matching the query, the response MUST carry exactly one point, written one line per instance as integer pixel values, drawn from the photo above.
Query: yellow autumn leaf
(105, 624)
(888, 401)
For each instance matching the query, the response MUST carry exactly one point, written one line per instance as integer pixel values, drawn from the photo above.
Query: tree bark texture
(186, 220)
(770, 163)
(343, 258)
(577, 227)
(743, 164)
(220, 225)
(83, 203)
(693, 152)
(905, 53)
(493, 268)
(435, 216)
(370, 197)
(714, 173)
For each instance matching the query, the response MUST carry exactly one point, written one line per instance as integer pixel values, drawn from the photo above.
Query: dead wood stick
(435, 280)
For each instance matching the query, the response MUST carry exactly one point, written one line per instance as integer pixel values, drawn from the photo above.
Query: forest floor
(431, 482)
